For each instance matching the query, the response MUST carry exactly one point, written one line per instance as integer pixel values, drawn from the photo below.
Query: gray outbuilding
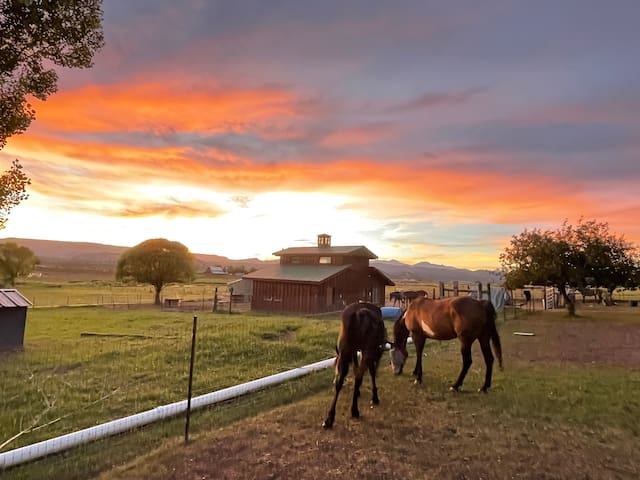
(13, 318)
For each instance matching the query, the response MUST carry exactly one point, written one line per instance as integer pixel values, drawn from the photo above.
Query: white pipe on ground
(64, 442)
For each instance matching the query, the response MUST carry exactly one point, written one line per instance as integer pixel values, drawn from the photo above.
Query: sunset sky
(424, 130)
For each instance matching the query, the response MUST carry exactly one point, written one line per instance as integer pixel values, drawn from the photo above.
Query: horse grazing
(396, 298)
(411, 295)
(466, 318)
(362, 330)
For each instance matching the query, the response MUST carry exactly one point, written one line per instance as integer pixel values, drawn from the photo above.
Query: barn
(13, 316)
(317, 279)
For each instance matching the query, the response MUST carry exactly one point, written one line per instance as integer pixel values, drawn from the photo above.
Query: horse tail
(493, 330)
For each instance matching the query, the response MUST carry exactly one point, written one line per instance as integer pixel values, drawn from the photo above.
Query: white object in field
(64, 442)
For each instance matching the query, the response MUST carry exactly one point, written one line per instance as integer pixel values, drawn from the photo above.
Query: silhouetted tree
(36, 36)
(570, 257)
(15, 261)
(13, 189)
(157, 262)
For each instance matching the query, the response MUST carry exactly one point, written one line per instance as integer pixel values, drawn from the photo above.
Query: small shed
(13, 317)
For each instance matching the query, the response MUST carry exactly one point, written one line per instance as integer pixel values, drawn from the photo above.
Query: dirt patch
(284, 335)
(582, 341)
(424, 435)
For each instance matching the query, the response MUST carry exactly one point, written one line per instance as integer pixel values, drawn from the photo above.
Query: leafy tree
(13, 189)
(15, 261)
(157, 262)
(37, 35)
(570, 257)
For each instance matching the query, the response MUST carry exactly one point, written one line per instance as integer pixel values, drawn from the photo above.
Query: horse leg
(466, 363)
(373, 367)
(343, 367)
(418, 341)
(485, 345)
(355, 413)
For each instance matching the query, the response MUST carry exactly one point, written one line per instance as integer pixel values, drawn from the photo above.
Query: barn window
(325, 260)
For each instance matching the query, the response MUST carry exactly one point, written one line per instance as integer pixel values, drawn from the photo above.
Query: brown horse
(362, 331)
(466, 318)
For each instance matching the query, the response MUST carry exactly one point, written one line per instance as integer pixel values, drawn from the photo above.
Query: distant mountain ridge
(86, 255)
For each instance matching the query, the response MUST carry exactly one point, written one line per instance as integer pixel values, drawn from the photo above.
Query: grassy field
(565, 407)
(109, 292)
(66, 289)
(66, 380)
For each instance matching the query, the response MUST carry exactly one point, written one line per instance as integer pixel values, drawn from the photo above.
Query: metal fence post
(191, 362)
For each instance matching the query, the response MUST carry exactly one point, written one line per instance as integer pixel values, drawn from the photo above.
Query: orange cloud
(75, 171)
(162, 108)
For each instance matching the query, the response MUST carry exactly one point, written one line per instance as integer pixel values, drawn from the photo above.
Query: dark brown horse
(362, 331)
(396, 298)
(411, 295)
(466, 318)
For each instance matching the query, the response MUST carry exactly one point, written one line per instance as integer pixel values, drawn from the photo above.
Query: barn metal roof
(297, 273)
(10, 297)
(359, 251)
(306, 273)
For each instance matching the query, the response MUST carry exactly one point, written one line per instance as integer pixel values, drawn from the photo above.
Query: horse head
(398, 351)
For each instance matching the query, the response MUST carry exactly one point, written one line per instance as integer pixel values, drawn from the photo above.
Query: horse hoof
(453, 388)
(483, 390)
(327, 424)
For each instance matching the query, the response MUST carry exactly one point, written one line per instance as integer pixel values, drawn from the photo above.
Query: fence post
(191, 362)
(230, 298)
(440, 289)
(456, 290)
(215, 299)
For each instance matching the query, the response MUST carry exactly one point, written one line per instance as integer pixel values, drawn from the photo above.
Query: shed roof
(10, 297)
(297, 273)
(359, 251)
(380, 273)
(306, 273)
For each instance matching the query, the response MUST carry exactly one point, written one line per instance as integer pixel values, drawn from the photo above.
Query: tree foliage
(15, 261)
(157, 262)
(35, 36)
(587, 254)
(13, 189)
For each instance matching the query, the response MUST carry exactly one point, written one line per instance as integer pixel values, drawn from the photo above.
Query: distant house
(214, 270)
(317, 279)
(13, 316)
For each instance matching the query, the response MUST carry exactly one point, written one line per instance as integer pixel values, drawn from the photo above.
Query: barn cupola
(324, 240)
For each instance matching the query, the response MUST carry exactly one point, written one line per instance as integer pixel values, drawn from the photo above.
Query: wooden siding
(330, 295)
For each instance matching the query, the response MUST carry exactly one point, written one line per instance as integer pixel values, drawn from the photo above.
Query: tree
(157, 262)
(570, 257)
(15, 261)
(36, 36)
(13, 189)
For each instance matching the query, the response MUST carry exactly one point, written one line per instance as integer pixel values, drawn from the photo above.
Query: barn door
(330, 295)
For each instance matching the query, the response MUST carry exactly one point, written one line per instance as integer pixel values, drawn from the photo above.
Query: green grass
(86, 380)
(68, 292)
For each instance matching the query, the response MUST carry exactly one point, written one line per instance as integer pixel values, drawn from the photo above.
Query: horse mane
(400, 331)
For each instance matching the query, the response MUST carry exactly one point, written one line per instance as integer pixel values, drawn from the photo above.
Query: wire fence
(83, 367)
